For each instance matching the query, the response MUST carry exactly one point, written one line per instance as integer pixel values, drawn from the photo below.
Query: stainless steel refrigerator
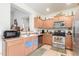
(76, 34)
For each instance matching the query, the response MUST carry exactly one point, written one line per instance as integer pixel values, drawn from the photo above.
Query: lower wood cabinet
(16, 50)
(35, 43)
(47, 39)
(69, 43)
(21, 47)
(28, 45)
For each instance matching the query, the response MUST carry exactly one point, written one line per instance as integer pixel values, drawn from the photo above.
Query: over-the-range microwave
(59, 24)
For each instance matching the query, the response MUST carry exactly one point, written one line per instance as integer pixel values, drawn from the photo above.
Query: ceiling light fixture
(47, 9)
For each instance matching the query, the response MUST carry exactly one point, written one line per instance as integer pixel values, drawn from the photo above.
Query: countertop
(21, 36)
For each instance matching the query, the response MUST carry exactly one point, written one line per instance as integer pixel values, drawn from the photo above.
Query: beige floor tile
(69, 53)
(47, 47)
(50, 52)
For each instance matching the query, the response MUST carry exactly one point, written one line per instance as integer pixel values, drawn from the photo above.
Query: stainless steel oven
(58, 39)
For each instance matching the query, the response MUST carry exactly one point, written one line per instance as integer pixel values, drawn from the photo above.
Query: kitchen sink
(28, 35)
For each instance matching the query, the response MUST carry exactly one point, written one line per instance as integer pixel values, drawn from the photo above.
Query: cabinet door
(28, 45)
(68, 21)
(15, 50)
(47, 39)
(69, 44)
(48, 23)
(19, 49)
(38, 23)
(11, 50)
(61, 18)
(35, 43)
(56, 18)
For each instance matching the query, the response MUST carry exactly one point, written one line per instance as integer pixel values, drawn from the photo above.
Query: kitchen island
(20, 46)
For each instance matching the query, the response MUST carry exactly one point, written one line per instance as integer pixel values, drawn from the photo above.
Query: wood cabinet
(35, 43)
(56, 18)
(15, 48)
(68, 21)
(21, 46)
(38, 23)
(69, 43)
(28, 45)
(47, 38)
(48, 23)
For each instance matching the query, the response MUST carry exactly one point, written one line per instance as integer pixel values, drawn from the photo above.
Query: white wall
(66, 12)
(4, 20)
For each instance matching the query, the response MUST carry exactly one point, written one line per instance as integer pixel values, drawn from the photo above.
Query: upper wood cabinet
(48, 23)
(68, 21)
(38, 22)
(59, 18)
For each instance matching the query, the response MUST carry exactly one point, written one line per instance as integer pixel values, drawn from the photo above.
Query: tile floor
(50, 52)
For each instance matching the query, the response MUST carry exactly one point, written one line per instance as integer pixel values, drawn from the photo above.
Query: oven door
(58, 41)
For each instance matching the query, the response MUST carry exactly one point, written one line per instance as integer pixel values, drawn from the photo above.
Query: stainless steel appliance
(76, 34)
(59, 39)
(40, 43)
(11, 34)
(59, 24)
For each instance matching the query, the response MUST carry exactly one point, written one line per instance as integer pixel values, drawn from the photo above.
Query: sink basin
(27, 35)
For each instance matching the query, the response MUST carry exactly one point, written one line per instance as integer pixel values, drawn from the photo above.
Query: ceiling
(15, 9)
(54, 7)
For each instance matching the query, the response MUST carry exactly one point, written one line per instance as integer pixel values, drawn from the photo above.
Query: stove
(58, 39)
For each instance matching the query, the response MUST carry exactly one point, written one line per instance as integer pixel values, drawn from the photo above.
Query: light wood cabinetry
(69, 43)
(38, 23)
(21, 46)
(56, 19)
(35, 43)
(15, 48)
(68, 21)
(48, 23)
(28, 45)
(47, 38)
